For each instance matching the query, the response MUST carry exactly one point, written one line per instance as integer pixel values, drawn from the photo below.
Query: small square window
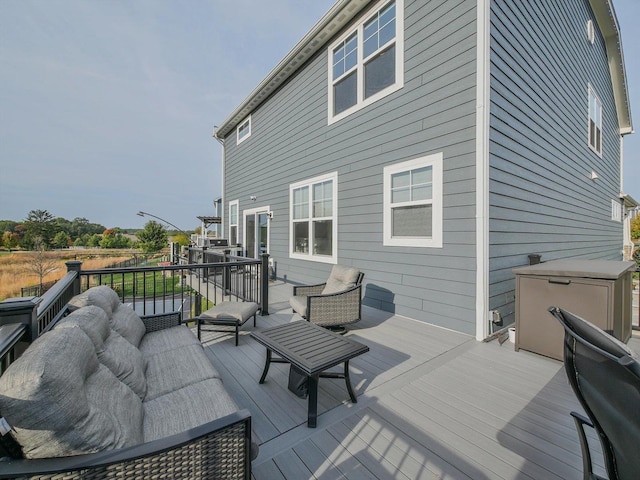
(243, 131)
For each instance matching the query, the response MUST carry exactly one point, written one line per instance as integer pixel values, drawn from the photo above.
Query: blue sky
(107, 108)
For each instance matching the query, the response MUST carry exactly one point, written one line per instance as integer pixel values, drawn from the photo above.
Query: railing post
(264, 284)
(226, 273)
(22, 310)
(75, 266)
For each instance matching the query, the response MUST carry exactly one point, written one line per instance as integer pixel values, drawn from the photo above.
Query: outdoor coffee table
(312, 350)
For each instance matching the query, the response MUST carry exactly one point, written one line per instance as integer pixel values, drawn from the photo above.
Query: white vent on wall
(591, 32)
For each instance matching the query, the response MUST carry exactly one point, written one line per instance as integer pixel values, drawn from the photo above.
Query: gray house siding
(434, 112)
(542, 199)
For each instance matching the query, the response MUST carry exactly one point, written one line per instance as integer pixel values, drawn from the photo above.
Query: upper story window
(243, 131)
(412, 214)
(233, 222)
(367, 63)
(313, 229)
(595, 122)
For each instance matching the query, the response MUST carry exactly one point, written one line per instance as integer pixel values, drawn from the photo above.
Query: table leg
(347, 379)
(312, 414)
(266, 366)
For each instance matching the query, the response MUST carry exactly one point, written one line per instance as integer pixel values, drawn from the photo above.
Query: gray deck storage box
(597, 290)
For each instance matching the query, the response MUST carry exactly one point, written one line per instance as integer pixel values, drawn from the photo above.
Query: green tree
(61, 240)
(113, 238)
(7, 226)
(182, 239)
(94, 240)
(153, 237)
(10, 240)
(40, 228)
(635, 228)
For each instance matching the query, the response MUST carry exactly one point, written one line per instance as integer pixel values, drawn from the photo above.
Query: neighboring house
(434, 144)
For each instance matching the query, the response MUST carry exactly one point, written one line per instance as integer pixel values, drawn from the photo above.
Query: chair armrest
(218, 449)
(305, 290)
(587, 466)
(339, 308)
(161, 321)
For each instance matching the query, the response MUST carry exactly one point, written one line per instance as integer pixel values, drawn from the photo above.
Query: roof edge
(608, 22)
(338, 16)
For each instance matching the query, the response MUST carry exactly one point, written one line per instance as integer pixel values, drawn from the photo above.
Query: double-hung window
(313, 207)
(233, 222)
(412, 214)
(366, 63)
(595, 122)
(243, 131)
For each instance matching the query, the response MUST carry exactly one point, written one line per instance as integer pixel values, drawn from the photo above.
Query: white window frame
(235, 203)
(242, 127)
(616, 211)
(361, 102)
(597, 115)
(435, 241)
(333, 258)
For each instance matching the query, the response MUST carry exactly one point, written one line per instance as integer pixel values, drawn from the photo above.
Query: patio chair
(605, 376)
(332, 304)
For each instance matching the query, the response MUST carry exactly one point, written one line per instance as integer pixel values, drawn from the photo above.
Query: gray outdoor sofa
(106, 394)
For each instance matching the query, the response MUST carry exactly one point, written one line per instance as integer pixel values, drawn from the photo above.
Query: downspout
(482, 168)
(222, 194)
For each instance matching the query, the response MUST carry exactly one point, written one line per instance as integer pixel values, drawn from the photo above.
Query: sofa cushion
(177, 368)
(123, 359)
(186, 408)
(101, 296)
(160, 341)
(92, 320)
(341, 278)
(126, 362)
(61, 401)
(127, 323)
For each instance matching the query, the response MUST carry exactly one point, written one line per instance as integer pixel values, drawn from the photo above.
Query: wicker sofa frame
(333, 309)
(218, 449)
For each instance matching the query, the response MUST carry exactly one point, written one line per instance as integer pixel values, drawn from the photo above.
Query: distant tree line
(42, 230)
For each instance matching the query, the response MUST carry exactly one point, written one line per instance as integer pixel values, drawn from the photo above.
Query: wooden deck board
(431, 404)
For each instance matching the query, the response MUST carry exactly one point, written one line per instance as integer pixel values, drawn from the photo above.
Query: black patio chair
(605, 376)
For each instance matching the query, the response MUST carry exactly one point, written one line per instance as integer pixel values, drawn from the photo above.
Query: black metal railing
(190, 288)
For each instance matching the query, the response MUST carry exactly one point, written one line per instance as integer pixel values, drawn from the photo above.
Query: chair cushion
(186, 408)
(101, 296)
(341, 278)
(127, 323)
(299, 305)
(61, 401)
(240, 311)
(178, 368)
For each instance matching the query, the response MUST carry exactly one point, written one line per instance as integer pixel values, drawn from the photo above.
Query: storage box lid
(605, 269)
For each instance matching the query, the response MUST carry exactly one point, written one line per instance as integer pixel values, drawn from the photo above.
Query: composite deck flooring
(432, 404)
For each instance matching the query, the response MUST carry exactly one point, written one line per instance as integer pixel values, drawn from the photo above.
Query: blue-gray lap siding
(542, 198)
(434, 112)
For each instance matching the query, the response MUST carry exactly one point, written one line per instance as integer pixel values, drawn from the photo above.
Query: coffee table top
(309, 347)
